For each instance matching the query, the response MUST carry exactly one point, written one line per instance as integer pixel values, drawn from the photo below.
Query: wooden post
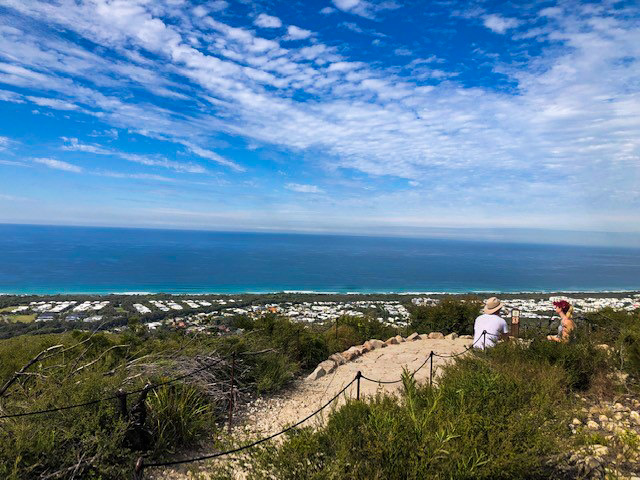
(122, 399)
(233, 368)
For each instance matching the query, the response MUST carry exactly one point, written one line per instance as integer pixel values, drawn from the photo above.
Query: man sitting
(490, 322)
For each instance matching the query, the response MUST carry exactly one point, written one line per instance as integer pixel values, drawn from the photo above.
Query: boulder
(348, 355)
(399, 338)
(436, 335)
(466, 337)
(356, 350)
(339, 359)
(413, 337)
(635, 416)
(452, 336)
(592, 425)
(328, 365)
(317, 373)
(366, 347)
(376, 344)
(392, 341)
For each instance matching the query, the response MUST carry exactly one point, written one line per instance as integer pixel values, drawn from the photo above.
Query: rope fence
(122, 393)
(141, 465)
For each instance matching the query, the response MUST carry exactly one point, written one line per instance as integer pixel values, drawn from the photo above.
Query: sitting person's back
(491, 323)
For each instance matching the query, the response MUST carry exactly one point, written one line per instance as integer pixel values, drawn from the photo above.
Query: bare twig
(15, 377)
(98, 358)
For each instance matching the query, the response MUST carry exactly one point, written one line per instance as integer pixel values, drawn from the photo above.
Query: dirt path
(264, 417)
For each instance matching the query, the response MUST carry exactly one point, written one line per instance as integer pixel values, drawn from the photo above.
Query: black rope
(470, 347)
(111, 397)
(250, 445)
(388, 382)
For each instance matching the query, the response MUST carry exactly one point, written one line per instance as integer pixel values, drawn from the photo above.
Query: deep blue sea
(43, 259)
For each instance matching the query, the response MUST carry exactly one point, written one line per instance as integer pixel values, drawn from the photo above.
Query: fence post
(233, 368)
(138, 471)
(122, 399)
(431, 369)
(484, 341)
(358, 375)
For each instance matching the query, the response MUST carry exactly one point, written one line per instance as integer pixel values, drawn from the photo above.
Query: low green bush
(449, 315)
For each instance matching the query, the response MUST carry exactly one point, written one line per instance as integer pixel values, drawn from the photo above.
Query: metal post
(484, 341)
(431, 369)
(233, 368)
(138, 471)
(358, 375)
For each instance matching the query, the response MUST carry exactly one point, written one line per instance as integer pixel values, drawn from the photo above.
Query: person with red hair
(565, 310)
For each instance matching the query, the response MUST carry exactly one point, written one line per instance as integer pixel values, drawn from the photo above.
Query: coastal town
(211, 314)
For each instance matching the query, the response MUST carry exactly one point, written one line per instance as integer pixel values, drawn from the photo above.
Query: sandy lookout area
(263, 417)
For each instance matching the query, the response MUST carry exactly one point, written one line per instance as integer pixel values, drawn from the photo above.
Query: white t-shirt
(493, 324)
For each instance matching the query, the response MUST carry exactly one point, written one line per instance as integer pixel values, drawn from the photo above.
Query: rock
(618, 407)
(576, 422)
(328, 365)
(592, 425)
(366, 347)
(618, 416)
(635, 416)
(317, 373)
(399, 338)
(339, 359)
(348, 355)
(451, 336)
(413, 337)
(376, 344)
(392, 341)
(599, 450)
(436, 335)
(466, 337)
(604, 347)
(621, 377)
(603, 418)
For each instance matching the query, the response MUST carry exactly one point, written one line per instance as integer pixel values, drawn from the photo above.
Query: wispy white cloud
(267, 21)
(297, 33)
(499, 24)
(302, 188)
(58, 164)
(364, 8)
(72, 144)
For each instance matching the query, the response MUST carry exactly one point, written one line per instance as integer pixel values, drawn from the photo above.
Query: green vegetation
(500, 415)
(96, 440)
(21, 318)
(451, 314)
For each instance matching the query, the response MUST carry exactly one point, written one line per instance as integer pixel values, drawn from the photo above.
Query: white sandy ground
(267, 416)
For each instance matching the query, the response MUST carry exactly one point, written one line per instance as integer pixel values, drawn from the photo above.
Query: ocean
(52, 259)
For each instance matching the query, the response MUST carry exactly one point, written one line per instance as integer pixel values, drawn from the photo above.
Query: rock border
(334, 361)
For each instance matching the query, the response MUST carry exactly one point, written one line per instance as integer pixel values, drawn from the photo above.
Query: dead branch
(98, 358)
(15, 377)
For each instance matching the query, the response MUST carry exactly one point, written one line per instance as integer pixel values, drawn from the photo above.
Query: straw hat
(492, 305)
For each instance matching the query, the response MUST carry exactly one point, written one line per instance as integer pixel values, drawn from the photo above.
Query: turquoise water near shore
(48, 259)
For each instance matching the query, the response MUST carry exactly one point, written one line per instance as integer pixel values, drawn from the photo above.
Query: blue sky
(351, 116)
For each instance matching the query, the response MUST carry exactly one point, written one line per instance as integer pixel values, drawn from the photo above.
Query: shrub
(449, 315)
(179, 415)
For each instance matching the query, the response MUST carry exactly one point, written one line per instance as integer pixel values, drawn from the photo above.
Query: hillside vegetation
(97, 441)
